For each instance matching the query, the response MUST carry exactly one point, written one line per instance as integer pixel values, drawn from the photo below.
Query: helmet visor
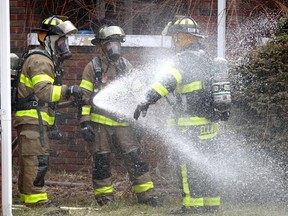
(110, 31)
(64, 28)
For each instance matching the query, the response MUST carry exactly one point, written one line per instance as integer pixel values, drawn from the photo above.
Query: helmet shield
(109, 32)
(64, 28)
(54, 25)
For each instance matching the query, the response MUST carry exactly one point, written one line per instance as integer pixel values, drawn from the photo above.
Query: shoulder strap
(15, 82)
(97, 66)
(35, 51)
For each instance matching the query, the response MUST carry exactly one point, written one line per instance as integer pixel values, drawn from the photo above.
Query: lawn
(74, 192)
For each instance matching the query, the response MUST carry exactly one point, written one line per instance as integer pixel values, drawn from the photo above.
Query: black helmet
(55, 25)
(109, 32)
(185, 25)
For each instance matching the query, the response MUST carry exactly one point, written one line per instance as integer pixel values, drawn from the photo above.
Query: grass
(82, 199)
(129, 207)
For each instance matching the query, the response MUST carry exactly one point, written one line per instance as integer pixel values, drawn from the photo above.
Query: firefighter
(196, 118)
(39, 89)
(107, 133)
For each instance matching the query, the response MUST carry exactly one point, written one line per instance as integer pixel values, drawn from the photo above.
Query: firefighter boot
(105, 200)
(43, 204)
(140, 176)
(148, 198)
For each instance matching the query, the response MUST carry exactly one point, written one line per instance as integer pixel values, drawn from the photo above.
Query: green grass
(129, 207)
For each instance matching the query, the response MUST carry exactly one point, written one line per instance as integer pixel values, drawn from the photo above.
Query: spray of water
(242, 171)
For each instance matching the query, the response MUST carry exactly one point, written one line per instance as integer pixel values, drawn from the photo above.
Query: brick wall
(71, 153)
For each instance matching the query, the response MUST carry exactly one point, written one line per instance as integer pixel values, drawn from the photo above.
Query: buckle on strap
(35, 103)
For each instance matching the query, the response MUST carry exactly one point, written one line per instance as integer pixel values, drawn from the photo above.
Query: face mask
(59, 46)
(112, 50)
(62, 48)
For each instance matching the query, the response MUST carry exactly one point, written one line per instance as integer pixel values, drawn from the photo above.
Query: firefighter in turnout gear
(39, 90)
(106, 133)
(196, 112)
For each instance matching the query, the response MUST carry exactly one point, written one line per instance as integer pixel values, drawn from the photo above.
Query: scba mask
(112, 49)
(59, 46)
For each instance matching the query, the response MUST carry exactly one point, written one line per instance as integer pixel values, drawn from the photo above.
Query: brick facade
(71, 152)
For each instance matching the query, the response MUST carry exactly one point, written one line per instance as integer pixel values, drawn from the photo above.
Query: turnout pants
(33, 163)
(197, 183)
(122, 141)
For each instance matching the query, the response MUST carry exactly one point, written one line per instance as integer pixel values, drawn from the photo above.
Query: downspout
(221, 28)
(5, 80)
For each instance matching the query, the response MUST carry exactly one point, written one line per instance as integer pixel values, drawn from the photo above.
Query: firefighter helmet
(109, 32)
(185, 25)
(55, 25)
(53, 36)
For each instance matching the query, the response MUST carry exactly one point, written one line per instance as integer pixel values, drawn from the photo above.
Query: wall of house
(71, 152)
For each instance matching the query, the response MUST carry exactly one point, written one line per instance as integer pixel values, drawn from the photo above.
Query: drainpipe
(6, 142)
(221, 27)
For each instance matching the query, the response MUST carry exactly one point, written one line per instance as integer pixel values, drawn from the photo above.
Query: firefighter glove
(87, 132)
(75, 91)
(141, 108)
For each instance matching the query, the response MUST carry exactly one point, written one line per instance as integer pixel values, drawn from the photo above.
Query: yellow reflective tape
(86, 110)
(26, 81)
(53, 21)
(188, 201)
(143, 187)
(185, 180)
(107, 121)
(194, 202)
(177, 75)
(22, 197)
(194, 86)
(192, 121)
(34, 198)
(33, 114)
(207, 136)
(171, 122)
(160, 89)
(41, 78)
(56, 93)
(103, 190)
(212, 201)
(86, 85)
(208, 131)
(183, 21)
